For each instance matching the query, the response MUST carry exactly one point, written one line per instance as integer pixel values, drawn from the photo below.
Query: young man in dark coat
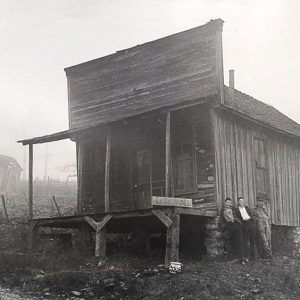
(244, 214)
(233, 228)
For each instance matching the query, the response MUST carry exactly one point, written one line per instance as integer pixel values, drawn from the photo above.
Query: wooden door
(142, 179)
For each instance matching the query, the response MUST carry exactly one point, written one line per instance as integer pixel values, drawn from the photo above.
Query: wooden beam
(168, 154)
(79, 175)
(97, 226)
(107, 171)
(30, 182)
(162, 217)
(56, 205)
(101, 224)
(90, 221)
(133, 214)
(171, 201)
(85, 238)
(4, 207)
(100, 235)
(100, 247)
(33, 228)
(172, 240)
(196, 212)
(219, 64)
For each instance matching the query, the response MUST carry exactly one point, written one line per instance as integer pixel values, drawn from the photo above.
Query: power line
(7, 15)
(76, 28)
(52, 20)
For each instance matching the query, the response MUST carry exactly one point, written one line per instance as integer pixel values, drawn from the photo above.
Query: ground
(128, 277)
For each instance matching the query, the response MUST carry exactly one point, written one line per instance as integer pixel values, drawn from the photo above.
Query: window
(260, 166)
(183, 158)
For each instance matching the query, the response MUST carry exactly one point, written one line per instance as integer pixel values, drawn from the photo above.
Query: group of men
(247, 229)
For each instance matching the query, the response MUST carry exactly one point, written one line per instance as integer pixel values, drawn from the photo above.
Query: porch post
(79, 175)
(107, 171)
(100, 247)
(172, 240)
(30, 182)
(168, 154)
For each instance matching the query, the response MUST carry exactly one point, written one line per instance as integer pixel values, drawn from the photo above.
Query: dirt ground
(128, 277)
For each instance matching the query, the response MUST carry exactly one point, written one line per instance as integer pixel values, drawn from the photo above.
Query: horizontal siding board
(175, 69)
(131, 111)
(143, 97)
(91, 98)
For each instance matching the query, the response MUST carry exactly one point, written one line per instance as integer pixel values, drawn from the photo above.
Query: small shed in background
(10, 172)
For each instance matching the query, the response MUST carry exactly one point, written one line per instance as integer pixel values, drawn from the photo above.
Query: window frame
(192, 158)
(258, 140)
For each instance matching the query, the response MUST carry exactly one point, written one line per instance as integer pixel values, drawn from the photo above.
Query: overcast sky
(39, 38)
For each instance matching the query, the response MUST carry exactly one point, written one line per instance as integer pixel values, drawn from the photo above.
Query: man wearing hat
(264, 229)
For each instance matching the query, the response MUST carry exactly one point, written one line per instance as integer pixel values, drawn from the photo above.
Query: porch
(122, 167)
(151, 220)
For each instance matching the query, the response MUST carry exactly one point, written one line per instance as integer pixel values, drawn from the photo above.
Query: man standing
(248, 226)
(264, 228)
(234, 229)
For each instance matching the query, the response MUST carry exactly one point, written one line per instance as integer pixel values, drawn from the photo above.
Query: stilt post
(172, 240)
(100, 247)
(30, 182)
(107, 172)
(168, 154)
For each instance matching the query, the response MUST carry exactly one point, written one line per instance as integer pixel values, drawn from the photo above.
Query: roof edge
(212, 25)
(249, 118)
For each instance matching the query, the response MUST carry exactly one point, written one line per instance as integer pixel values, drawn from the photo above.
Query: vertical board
(236, 172)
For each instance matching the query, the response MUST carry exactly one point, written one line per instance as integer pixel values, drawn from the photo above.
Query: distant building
(10, 172)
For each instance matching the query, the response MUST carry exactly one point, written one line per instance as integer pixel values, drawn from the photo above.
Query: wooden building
(159, 139)
(10, 172)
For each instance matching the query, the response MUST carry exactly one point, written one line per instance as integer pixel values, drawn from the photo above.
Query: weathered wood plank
(56, 205)
(172, 239)
(107, 171)
(251, 171)
(100, 243)
(162, 217)
(228, 159)
(158, 102)
(128, 80)
(197, 212)
(32, 236)
(30, 182)
(90, 221)
(4, 207)
(168, 154)
(233, 158)
(79, 174)
(101, 224)
(217, 163)
(169, 201)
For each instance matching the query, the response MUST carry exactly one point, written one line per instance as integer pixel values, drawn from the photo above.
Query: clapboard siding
(235, 167)
(179, 68)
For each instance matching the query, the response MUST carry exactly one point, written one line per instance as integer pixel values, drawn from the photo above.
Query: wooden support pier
(168, 217)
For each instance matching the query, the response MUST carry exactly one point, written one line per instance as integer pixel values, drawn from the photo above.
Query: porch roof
(47, 138)
(57, 136)
(70, 133)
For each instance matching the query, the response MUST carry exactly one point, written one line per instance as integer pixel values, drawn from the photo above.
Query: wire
(8, 15)
(52, 20)
(76, 28)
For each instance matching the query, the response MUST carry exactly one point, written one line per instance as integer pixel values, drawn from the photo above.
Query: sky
(39, 38)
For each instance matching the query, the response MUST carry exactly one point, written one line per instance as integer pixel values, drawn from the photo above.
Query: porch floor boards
(76, 221)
